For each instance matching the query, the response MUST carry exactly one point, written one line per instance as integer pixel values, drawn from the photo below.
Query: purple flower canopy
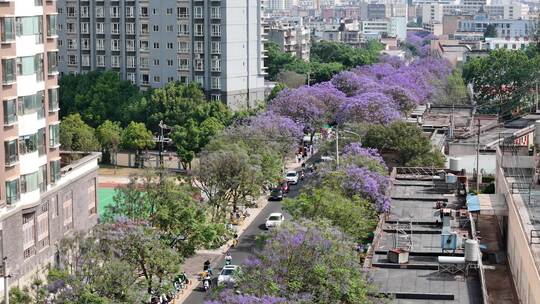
(369, 107)
(272, 123)
(356, 149)
(368, 184)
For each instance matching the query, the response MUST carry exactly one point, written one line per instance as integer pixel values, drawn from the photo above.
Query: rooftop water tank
(454, 163)
(471, 250)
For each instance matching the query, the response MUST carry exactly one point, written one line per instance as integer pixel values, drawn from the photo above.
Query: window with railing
(199, 30)
(54, 167)
(10, 111)
(27, 144)
(7, 29)
(52, 62)
(54, 136)
(53, 100)
(182, 12)
(12, 191)
(12, 153)
(9, 68)
(215, 12)
(51, 26)
(27, 26)
(41, 142)
(216, 30)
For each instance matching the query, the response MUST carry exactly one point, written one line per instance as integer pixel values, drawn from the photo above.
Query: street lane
(247, 240)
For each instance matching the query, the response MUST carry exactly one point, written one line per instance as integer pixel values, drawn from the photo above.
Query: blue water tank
(449, 241)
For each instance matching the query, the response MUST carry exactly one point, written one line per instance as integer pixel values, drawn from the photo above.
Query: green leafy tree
(349, 57)
(321, 72)
(109, 135)
(227, 177)
(275, 91)
(491, 31)
(276, 60)
(98, 96)
(502, 79)
(407, 140)
(19, 296)
(356, 217)
(137, 137)
(171, 208)
(76, 135)
(451, 91)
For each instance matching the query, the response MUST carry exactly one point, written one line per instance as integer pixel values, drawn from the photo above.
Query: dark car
(284, 186)
(276, 194)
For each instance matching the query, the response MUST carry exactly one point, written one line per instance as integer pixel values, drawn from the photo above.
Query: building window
(29, 235)
(100, 60)
(183, 29)
(41, 141)
(115, 61)
(156, 28)
(170, 45)
(28, 26)
(170, 79)
(156, 62)
(85, 29)
(199, 30)
(54, 136)
(7, 29)
(215, 12)
(216, 30)
(92, 206)
(31, 103)
(169, 28)
(143, 62)
(115, 28)
(170, 62)
(131, 77)
(100, 44)
(131, 62)
(156, 45)
(130, 28)
(8, 70)
(144, 11)
(85, 44)
(71, 11)
(199, 64)
(72, 60)
(183, 12)
(52, 62)
(115, 45)
(10, 111)
(43, 228)
(143, 45)
(29, 182)
(100, 28)
(100, 12)
(27, 144)
(130, 11)
(157, 79)
(216, 65)
(199, 79)
(85, 60)
(198, 12)
(215, 47)
(199, 47)
(216, 83)
(42, 178)
(11, 151)
(183, 47)
(68, 211)
(144, 28)
(145, 79)
(183, 64)
(12, 191)
(215, 97)
(114, 12)
(130, 45)
(71, 44)
(51, 26)
(54, 166)
(169, 11)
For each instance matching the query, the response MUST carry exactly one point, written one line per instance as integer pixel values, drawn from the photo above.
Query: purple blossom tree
(369, 107)
(297, 263)
(352, 83)
(356, 150)
(368, 184)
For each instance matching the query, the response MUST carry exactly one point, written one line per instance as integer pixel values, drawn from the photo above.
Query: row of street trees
(102, 112)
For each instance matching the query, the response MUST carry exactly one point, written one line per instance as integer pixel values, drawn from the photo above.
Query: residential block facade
(40, 201)
(216, 43)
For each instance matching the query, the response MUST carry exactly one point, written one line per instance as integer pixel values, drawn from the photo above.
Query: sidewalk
(193, 265)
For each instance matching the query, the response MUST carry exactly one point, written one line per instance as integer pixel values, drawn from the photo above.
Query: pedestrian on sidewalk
(298, 157)
(235, 240)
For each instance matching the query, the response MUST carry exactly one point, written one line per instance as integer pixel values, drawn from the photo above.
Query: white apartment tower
(216, 43)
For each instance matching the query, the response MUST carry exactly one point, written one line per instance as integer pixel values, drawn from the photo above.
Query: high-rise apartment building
(43, 195)
(216, 43)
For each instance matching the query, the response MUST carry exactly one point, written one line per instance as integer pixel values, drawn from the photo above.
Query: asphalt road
(247, 240)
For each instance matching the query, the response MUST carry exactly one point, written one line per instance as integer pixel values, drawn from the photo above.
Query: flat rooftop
(414, 196)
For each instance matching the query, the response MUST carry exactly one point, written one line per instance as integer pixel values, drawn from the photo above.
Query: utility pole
(478, 158)
(6, 276)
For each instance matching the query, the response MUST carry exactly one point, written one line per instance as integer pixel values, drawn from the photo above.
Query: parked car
(292, 177)
(276, 194)
(227, 275)
(274, 220)
(284, 186)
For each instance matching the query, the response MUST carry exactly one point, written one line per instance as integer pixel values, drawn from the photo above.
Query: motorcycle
(206, 284)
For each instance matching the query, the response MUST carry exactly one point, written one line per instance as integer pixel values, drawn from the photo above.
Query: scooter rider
(228, 258)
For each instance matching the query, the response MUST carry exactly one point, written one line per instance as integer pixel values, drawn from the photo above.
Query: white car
(292, 177)
(227, 275)
(274, 220)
